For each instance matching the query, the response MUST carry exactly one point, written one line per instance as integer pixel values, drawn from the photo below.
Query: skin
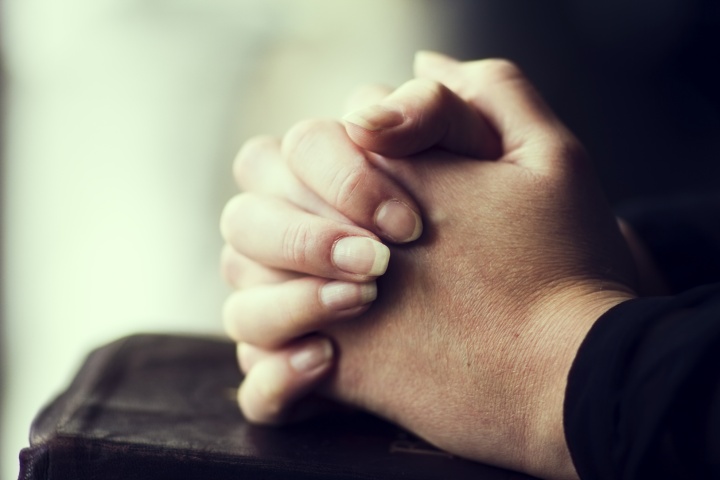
(476, 323)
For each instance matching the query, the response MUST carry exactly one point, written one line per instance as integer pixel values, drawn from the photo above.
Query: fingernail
(361, 255)
(312, 356)
(375, 118)
(344, 295)
(398, 221)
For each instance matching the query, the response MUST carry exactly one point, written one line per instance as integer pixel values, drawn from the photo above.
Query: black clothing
(643, 395)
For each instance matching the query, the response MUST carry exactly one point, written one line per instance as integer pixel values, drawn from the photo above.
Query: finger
(278, 234)
(259, 167)
(500, 91)
(303, 408)
(271, 315)
(435, 65)
(366, 96)
(326, 160)
(275, 383)
(423, 113)
(248, 355)
(241, 272)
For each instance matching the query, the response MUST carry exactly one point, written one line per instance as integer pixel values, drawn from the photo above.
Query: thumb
(501, 92)
(423, 113)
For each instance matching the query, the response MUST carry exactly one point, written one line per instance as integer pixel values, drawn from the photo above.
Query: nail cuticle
(398, 222)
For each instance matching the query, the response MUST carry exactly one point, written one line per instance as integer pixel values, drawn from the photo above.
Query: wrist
(560, 327)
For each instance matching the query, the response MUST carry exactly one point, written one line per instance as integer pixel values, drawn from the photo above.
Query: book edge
(60, 409)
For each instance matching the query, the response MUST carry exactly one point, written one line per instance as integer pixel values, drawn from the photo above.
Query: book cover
(162, 407)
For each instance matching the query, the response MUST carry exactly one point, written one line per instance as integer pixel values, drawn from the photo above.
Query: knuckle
(571, 154)
(241, 320)
(259, 402)
(497, 69)
(434, 92)
(423, 98)
(231, 216)
(242, 357)
(301, 137)
(266, 393)
(229, 318)
(561, 145)
(501, 67)
(229, 268)
(562, 152)
(295, 244)
(250, 157)
(571, 148)
(345, 185)
(246, 356)
(293, 322)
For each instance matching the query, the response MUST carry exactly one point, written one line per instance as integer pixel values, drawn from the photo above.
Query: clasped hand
(436, 258)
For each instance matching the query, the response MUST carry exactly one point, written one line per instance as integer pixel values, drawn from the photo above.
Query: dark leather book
(162, 407)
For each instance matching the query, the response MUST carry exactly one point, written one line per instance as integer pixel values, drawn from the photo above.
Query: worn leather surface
(162, 407)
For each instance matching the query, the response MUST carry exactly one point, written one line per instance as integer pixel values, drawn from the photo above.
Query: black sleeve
(643, 394)
(683, 235)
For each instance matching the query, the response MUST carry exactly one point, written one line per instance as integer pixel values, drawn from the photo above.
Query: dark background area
(637, 81)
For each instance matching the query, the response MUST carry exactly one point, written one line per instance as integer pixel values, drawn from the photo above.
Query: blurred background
(121, 119)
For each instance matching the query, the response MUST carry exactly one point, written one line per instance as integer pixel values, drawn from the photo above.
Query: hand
(471, 343)
(284, 288)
